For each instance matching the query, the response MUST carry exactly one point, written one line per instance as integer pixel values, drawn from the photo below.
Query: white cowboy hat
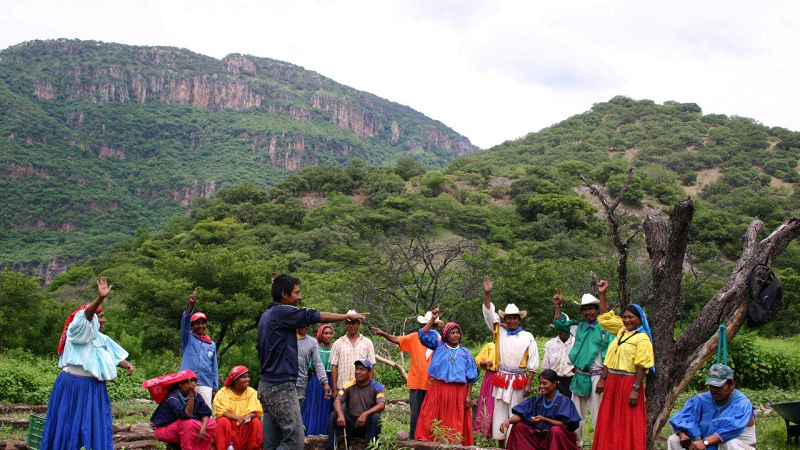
(353, 311)
(424, 319)
(589, 299)
(512, 309)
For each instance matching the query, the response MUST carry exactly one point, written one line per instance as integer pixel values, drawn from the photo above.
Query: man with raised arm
(518, 357)
(277, 354)
(587, 354)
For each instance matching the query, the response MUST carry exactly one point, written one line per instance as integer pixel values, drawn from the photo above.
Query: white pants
(592, 401)
(502, 412)
(674, 443)
(205, 392)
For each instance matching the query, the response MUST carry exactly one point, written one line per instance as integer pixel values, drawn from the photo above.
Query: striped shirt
(344, 354)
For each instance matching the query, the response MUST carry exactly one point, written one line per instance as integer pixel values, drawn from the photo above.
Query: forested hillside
(98, 140)
(399, 240)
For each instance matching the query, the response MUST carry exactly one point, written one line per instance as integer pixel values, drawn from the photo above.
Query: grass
(770, 428)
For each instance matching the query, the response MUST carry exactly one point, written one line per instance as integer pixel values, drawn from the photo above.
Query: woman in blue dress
(545, 422)
(318, 406)
(79, 409)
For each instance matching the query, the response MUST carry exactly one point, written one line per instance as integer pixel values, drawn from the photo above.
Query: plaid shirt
(344, 355)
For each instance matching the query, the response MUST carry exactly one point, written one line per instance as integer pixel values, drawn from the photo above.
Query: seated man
(365, 400)
(719, 419)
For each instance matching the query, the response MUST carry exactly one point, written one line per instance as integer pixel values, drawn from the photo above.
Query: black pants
(371, 429)
(563, 386)
(415, 399)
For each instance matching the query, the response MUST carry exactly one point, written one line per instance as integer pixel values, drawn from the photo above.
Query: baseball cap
(198, 316)
(364, 362)
(718, 375)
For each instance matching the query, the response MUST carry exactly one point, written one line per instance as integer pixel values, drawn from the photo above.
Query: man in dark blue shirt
(277, 354)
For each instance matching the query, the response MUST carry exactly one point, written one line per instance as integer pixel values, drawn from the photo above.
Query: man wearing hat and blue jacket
(721, 418)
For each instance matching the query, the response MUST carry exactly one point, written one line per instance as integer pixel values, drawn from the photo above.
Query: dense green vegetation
(377, 239)
(99, 140)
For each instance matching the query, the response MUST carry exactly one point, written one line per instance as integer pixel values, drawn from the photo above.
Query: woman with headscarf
(238, 412)
(545, 422)
(79, 409)
(319, 405)
(449, 399)
(182, 417)
(621, 422)
(199, 351)
(486, 360)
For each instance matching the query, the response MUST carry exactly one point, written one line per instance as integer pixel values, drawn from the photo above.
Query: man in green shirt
(587, 355)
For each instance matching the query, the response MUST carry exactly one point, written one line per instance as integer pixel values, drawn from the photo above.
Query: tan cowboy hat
(424, 319)
(588, 299)
(511, 310)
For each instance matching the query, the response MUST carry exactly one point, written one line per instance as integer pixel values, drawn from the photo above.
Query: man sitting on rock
(719, 419)
(365, 400)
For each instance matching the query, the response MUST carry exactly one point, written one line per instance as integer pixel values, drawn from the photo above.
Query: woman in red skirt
(621, 423)
(446, 414)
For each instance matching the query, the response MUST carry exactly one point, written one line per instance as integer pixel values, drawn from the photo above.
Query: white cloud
(493, 70)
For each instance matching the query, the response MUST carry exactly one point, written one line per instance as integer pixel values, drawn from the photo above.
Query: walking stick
(344, 432)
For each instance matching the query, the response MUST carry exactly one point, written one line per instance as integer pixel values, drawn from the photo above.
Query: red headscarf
(448, 328)
(203, 337)
(321, 330)
(63, 341)
(235, 373)
(159, 387)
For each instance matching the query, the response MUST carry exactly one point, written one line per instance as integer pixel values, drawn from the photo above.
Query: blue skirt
(78, 415)
(317, 409)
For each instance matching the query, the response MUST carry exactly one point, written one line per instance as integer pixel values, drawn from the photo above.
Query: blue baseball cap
(364, 362)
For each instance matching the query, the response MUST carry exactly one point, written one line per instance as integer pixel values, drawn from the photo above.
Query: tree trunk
(391, 363)
(678, 360)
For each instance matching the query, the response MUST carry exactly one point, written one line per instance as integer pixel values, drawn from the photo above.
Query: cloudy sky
(492, 70)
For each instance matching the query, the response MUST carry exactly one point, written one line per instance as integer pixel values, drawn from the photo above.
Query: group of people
(313, 386)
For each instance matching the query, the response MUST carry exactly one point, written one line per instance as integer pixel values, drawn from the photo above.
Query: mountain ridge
(98, 140)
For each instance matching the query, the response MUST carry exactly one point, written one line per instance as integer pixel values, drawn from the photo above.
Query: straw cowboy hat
(511, 310)
(589, 299)
(353, 311)
(424, 319)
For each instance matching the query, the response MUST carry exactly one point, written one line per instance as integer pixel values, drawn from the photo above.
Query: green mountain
(98, 140)
(398, 240)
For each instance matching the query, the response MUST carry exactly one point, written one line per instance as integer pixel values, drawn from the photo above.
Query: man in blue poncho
(721, 418)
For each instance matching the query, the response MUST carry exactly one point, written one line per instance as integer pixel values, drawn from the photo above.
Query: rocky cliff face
(237, 82)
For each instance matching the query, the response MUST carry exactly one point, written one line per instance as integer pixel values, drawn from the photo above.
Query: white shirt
(556, 356)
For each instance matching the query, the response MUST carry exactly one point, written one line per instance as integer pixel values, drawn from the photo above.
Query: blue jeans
(283, 423)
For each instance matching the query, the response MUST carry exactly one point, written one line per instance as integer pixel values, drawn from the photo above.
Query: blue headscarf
(644, 327)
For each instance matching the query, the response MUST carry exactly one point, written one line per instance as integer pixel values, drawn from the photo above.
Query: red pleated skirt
(618, 425)
(483, 415)
(444, 402)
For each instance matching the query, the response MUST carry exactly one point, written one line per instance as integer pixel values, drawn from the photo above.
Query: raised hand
(557, 298)
(358, 316)
(377, 331)
(602, 286)
(193, 296)
(103, 289)
(488, 284)
(434, 314)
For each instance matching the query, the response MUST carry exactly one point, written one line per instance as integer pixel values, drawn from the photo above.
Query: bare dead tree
(677, 360)
(418, 272)
(614, 220)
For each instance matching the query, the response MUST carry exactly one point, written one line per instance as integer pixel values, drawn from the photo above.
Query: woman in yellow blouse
(621, 422)
(238, 412)
(486, 360)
